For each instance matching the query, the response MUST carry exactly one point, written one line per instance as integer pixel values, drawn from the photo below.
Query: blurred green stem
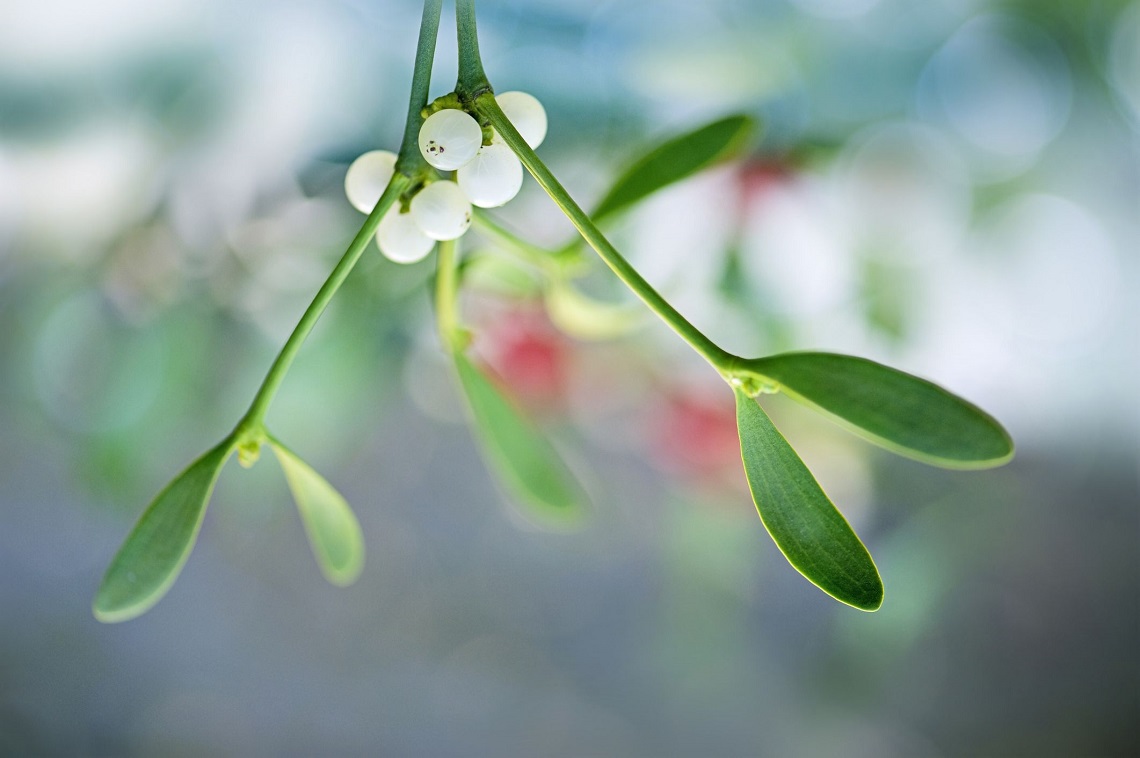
(536, 256)
(451, 334)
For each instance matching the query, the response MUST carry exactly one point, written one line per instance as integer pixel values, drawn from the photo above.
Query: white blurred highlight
(60, 37)
(1004, 88)
(74, 195)
(798, 248)
(907, 193)
(1056, 271)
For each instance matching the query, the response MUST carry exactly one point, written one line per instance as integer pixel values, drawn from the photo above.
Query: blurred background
(951, 187)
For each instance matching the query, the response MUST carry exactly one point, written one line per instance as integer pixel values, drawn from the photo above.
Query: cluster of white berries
(450, 140)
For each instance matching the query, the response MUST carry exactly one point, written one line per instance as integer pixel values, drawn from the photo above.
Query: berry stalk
(451, 333)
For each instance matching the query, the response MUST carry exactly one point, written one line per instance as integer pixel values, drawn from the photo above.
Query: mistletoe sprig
(484, 139)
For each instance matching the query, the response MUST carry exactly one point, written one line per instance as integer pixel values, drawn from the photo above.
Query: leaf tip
(346, 573)
(534, 514)
(101, 614)
(110, 615)
(868, 597)
(1001, 455)
(107, 610)
(872, 602)
(1010, 449)
(999, 451)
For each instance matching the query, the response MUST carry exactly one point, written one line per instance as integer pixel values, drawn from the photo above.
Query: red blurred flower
(694, 435)
(531, 356)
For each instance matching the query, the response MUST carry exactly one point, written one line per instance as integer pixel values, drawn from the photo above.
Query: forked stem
(474, 89)
(721, 360)
(410, 164)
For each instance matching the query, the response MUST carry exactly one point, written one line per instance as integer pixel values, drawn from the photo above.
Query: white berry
(449, 139)
(367, 178)
(527, 115)
(401, 240)
(442, 211)
(493, 177)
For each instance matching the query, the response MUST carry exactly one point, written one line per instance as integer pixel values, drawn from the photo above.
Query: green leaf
(498, 275)
(333, 531)
(524, 460)
(811, 533)
(156, 549)
(585, 318)
(900, 412)
(677, 159)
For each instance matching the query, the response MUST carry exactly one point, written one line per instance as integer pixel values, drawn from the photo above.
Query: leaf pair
(904, 414)
(155, 551)
(900, 412)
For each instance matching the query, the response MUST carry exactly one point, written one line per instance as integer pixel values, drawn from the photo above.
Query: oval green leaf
(810, 532)
(156, 549)
(333, 531)
(525, 461)
(676, 159)
(902, 413)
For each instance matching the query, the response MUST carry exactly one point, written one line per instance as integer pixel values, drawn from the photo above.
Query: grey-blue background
(949, 186)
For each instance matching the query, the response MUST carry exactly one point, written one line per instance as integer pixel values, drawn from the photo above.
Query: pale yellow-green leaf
(333, 531)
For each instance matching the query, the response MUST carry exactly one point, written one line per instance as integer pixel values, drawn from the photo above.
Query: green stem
(720, 359)
(451, 334)
(472, 81)
(250, 430)
(536, 256)
(569, 254)
(410, 163)
(256, 414)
